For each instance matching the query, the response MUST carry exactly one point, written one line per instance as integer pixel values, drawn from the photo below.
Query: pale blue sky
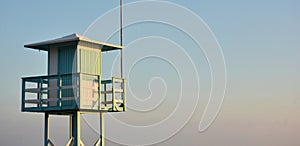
(261, 46)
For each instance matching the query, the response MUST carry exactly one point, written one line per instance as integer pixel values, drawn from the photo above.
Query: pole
(121, 37)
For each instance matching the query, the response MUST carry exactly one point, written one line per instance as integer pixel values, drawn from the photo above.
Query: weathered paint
(89, 59)
(53, 70)
(74, 74)
(66, 60)
(89, 63)
(67, 65)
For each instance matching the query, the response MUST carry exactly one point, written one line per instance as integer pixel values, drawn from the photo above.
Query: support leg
(101, 129)
(101, 140)
(71, 126)
(71, 138)
(76, 128)
(46, 130)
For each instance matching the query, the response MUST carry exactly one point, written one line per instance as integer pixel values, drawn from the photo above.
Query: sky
(260, 42)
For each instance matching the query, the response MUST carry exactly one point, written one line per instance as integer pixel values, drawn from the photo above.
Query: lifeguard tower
(74, 85)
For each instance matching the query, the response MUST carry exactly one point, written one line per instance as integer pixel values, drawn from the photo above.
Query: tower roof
(70, 38)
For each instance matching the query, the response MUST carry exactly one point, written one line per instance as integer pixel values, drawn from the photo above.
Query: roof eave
(71, 38)
(37, 47)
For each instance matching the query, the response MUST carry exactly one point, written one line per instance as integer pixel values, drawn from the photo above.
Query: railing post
(99, 93)
(59, 83)
(124, 94)
(79, 92)
(23, 94)
(40, 94)
(113, 93)
(105, 93)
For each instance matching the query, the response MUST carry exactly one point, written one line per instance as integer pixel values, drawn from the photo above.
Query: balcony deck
(73, 92)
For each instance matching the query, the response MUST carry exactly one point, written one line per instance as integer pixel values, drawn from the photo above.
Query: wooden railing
(53, 92)
(114, 94)
(77, 91)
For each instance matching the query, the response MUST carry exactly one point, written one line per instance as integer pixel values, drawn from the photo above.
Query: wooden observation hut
(74, 85)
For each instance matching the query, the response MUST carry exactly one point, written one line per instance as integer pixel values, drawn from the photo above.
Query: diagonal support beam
(50, 143)
(81, 143)
(70, 142)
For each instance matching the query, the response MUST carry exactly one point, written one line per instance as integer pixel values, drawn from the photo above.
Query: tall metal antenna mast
(121, 37)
